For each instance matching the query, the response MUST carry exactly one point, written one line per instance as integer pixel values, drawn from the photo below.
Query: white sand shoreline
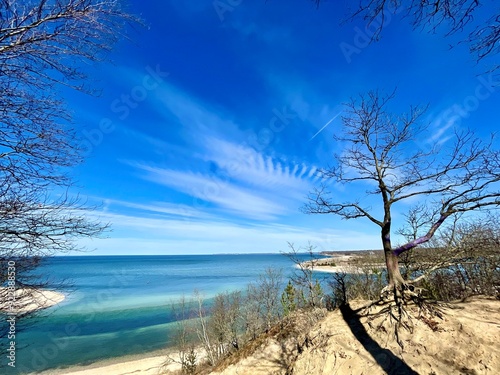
(337, 269)
(325, 265)
(26, 300)
(149, 363)
(337, 264)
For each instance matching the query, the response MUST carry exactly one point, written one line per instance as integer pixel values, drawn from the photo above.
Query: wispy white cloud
(195, 116)
(246, 165)
(161, 235)
(223, 171)
(236, 200)
(442, 127)
(241, 182)
(175, 210)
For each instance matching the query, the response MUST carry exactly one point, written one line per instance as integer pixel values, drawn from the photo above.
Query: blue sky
(211, 124)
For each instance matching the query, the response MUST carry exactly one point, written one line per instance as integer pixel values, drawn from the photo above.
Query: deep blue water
(121, 305)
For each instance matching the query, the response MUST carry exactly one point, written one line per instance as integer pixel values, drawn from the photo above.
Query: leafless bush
(339, 286)
(463, 259)
(309, 289)
(362, 280)
(225, 322)
(263, 306)
(184, 336)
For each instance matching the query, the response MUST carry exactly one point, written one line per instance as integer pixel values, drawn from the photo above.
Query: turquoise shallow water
(121, 305)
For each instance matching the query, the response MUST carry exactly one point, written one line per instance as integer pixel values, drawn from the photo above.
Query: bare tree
(203, 330)
(310, 291)
(183, 337)
(263, 304)
(43, 45)
(226, 322)
(381, 153)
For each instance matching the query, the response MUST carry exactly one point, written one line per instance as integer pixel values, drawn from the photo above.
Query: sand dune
(466, 340)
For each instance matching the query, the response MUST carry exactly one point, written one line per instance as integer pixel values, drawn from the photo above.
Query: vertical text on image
(11, 313)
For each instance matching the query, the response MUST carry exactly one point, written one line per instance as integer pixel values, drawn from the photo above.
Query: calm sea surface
(121, 305)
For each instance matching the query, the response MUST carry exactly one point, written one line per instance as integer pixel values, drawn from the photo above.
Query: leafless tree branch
(42, 47)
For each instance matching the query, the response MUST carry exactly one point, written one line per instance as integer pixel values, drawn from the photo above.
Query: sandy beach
(152, 363)
(339, 269)
(333, 264)
(27, 300)
(343, 263)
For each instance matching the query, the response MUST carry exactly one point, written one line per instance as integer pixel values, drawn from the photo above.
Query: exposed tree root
(400, 305)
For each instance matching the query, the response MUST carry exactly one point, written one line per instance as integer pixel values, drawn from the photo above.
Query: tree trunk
(391, 260)
(393, 273)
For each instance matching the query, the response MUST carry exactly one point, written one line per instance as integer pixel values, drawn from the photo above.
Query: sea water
(122, 305)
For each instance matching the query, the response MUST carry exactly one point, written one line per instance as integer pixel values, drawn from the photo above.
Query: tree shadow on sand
(389, 362)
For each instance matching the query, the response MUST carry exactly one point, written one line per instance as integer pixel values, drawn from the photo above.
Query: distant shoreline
(325, 253)
(341, 261)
